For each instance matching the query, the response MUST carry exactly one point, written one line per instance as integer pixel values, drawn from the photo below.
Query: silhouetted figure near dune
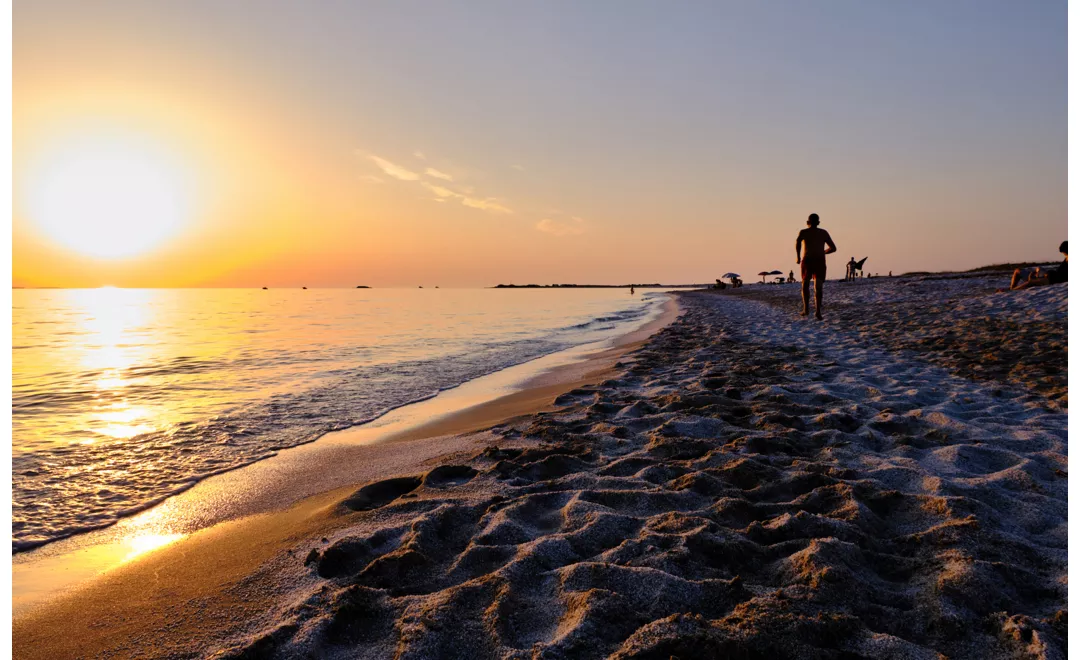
(817, 244)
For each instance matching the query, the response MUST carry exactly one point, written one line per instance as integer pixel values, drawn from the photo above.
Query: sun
(110, 196)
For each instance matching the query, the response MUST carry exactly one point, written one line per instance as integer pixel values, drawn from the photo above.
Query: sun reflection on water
(111, 322)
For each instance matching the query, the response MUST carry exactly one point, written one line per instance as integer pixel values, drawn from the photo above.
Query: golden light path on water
(111, 322)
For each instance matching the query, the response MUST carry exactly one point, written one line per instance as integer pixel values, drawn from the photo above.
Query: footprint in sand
(446, 476)
(381, 493)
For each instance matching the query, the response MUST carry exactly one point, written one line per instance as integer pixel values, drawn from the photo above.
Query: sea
(123, 397)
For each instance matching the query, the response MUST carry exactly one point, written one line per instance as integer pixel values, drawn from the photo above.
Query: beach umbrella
(776, 272)
(727, 275)
(763, 275)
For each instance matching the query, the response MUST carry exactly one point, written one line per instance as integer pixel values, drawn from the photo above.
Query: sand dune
(751, 484)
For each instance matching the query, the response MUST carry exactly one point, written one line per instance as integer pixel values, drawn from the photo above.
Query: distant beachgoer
(849, 273)
(791, 276)
(631, 289)
(812, 260)
(1024, 278)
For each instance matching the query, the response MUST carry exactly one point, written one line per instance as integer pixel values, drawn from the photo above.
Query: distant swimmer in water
(810, 251)
(631, 289)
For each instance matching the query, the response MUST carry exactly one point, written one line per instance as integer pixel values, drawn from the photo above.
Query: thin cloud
(556, 228)
(441, 191)
(489, 204)
(396, 171)
(462, 194)
(432, 172)
(519, 168)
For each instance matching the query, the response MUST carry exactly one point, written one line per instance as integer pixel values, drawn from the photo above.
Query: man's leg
(1023, 278)
(806, 296)
(819, 285)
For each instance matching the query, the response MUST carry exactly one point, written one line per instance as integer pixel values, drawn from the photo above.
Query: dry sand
(751, 484)
(959, 322)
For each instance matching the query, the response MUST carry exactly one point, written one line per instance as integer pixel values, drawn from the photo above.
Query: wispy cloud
(432, 172)
(519, 168)
(440, 191)
(557, 228)
(460, 193)
(490, 204)
(396, 171)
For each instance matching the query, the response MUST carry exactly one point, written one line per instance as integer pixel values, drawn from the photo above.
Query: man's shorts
(813, 267)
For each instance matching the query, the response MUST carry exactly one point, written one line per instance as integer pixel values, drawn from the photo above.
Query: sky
(468, 144)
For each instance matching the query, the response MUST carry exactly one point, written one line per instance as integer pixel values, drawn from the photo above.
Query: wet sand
(747, 483)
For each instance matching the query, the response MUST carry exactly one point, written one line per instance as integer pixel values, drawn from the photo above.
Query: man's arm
(798, 248)
(828, 241)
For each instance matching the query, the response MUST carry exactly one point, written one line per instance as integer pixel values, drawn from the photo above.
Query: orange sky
(335, 146)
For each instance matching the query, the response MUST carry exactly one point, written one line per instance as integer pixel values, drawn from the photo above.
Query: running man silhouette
(812, 260)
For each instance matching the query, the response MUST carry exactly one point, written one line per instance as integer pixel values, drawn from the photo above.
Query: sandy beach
(890, 482)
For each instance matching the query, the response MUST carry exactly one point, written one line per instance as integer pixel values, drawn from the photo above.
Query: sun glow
(110, 196)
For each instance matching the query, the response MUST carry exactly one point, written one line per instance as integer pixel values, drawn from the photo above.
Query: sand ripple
(751, 485)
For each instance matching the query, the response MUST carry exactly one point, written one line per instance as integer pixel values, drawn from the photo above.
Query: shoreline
(451, 428)
(751, 484)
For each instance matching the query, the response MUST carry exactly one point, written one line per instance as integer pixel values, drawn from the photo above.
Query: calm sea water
(122, 397)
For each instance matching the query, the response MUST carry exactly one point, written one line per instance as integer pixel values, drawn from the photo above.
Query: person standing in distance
(812, 259)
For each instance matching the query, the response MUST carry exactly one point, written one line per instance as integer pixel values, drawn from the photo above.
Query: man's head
(813, 220)
(1064, 248)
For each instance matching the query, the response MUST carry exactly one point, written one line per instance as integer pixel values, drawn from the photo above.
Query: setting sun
(110, 196)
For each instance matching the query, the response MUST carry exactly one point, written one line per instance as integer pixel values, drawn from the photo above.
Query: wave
(59, 491)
